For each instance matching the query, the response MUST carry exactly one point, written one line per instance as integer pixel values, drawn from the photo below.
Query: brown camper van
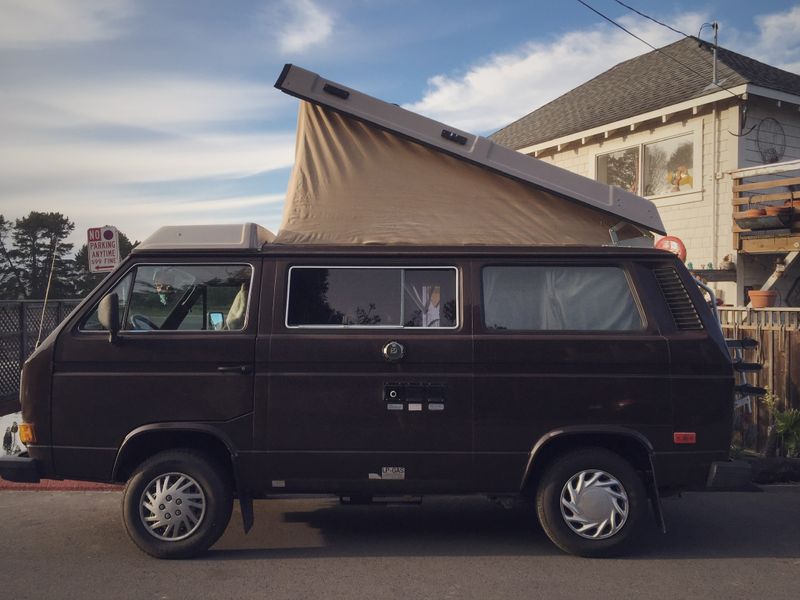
(438, 315)
(590, 380)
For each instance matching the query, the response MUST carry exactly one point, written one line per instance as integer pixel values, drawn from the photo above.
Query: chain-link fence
(19, 329)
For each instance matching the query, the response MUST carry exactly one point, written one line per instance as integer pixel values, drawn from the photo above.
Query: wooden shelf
(770, 244)
(715, 274)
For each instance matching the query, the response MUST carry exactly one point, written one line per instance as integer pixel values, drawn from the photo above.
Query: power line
(659, 50)
(641, 14)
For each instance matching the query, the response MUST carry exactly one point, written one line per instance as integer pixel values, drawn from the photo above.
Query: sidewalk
(771, 470)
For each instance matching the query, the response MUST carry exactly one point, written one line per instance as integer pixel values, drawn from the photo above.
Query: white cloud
(146, 101)
(777, 42)
(173, 206)
(46, 163)
(137, 130)
(43, 23)
(505, 87)
(298, 25)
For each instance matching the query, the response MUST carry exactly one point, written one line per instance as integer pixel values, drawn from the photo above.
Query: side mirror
(108, 315)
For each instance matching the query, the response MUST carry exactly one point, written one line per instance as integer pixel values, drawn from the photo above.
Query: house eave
(662, 114)
(776, 95)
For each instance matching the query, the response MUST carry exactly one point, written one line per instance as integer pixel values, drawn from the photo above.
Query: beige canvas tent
(369, 172)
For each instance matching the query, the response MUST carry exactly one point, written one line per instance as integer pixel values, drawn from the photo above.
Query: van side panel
(529, 383)
(701, 386)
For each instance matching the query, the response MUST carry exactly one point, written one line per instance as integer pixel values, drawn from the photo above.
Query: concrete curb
(51, 485)
(768, 470)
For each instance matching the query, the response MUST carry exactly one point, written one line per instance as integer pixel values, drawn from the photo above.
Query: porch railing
(768, 188)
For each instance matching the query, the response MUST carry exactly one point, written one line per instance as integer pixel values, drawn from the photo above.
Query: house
(659, 126)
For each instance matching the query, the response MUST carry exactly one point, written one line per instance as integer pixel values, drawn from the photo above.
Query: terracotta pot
(753, 213)
(778, 211)
(762, 299)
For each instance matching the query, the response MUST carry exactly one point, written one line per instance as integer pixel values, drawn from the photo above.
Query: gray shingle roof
(640, 85)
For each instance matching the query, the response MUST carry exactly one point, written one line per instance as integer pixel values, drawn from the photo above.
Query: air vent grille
(678, 300)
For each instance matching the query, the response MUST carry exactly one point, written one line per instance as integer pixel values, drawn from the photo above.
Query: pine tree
(38, 244)
(10, 285)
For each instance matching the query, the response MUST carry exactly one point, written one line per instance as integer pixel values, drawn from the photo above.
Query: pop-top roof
(244, 236)
(325, 166)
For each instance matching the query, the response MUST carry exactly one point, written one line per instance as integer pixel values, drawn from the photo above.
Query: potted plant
(762, 298)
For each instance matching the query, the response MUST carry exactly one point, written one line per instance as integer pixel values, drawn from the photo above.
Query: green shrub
(787, 423)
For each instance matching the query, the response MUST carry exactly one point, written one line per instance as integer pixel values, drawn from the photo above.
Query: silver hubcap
(172, 507)
(594, 504)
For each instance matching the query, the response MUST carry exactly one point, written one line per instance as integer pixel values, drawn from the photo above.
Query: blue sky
(140, 113)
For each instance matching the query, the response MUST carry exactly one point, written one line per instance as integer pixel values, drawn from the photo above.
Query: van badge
(394, 351)
(395, 473)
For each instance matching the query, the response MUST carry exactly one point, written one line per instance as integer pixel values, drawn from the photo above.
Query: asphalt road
(72, 545)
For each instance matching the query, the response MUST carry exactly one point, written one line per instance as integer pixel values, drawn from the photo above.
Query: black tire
(187, 529)
(618, 477)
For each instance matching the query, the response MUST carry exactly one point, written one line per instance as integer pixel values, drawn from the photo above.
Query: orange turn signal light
(27, 433)
(684, 437)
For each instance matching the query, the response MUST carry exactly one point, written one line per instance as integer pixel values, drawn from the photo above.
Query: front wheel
(591, 502)
(177, 504)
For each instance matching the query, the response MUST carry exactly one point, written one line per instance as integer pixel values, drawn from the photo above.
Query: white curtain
(427, 299)
(559, 298)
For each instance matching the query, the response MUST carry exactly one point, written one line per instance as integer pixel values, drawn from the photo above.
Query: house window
(620, 168)
(667, 167)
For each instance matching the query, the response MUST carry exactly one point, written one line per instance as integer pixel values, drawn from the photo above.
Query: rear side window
(396, 297)
(556, 298)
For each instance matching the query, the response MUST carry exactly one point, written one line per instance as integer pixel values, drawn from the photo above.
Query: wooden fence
(777, 331)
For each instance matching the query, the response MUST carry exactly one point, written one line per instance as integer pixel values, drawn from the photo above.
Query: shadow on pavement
(700, 525)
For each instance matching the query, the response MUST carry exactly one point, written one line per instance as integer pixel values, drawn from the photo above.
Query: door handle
(241, 369)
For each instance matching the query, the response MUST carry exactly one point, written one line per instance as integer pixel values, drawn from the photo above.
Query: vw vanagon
(589, 380)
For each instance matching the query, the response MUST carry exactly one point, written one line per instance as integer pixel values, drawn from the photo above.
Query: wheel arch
(627, 443)
(147, 440)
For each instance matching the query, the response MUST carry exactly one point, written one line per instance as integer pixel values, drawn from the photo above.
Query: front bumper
(21, 468)
(731, 475)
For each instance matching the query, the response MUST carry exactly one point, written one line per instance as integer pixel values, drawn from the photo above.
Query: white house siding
(789, 118)
(689, 216)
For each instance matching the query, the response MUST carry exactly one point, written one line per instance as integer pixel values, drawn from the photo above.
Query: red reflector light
(684, 437)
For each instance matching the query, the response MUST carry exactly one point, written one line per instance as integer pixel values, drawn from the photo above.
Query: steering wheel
(142, 322)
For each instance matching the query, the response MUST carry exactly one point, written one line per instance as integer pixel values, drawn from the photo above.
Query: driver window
(122, 289)
(189, 298)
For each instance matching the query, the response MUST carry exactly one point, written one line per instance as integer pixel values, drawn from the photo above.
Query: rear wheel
(591, 502)
(177, 504)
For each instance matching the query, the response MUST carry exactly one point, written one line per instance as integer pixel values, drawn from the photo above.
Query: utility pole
(715, 27)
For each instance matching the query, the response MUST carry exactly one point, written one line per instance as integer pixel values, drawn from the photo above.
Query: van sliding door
(370, 378)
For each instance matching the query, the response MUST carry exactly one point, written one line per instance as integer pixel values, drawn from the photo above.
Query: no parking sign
(103, 249)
